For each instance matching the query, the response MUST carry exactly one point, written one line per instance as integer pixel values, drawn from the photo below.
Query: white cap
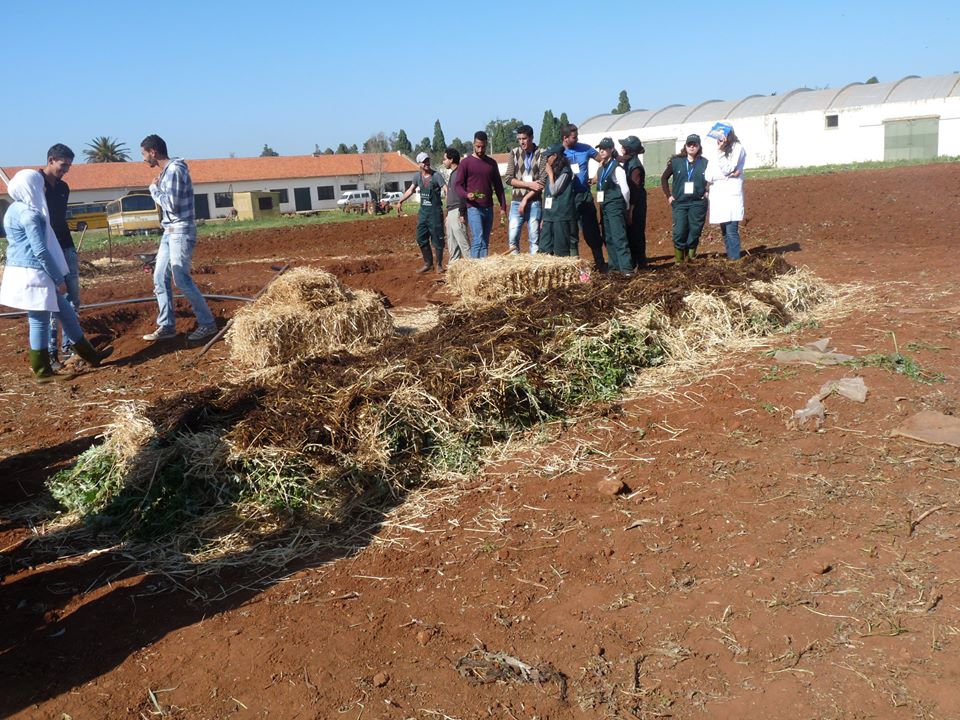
(421, 157)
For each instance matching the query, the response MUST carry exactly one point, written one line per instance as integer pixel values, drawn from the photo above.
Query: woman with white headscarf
(726, 186)
(33, 279)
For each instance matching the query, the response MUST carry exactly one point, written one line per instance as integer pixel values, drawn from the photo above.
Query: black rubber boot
(89, 354)
(439, 252)
(427, 259)
(40, 363)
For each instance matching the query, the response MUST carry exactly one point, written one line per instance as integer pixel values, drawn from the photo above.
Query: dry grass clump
(797, 291)
(334, 441)
(305, 313)
(490, 279)
(306, 286)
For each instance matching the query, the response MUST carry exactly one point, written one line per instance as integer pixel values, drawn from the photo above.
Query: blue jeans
(480, 221)
(72, 280)
(731, 238)
(39, 323)
(531, 216)
(173, 259)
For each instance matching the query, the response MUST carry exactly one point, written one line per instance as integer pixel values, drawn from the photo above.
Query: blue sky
(215, 77)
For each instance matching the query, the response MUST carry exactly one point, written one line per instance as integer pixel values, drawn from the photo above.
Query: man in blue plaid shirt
(173, 192)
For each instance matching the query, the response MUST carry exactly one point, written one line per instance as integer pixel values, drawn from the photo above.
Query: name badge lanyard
(691, 166)
(604, 174)
(528, 162)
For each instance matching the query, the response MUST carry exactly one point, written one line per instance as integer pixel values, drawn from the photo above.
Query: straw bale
(490, 279)
(308, 286)
(270, 333)
(799, 291)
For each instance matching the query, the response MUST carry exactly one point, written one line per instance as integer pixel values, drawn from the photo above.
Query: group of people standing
(41, 275)
(553, 197)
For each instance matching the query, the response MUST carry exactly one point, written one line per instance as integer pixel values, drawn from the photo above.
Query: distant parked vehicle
(134, 214)
(355, 199)
(392, 197)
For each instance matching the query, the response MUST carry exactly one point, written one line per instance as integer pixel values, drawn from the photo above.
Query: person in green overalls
(688, 198)
(559, 232)
(430, 217)
(613, 196)
(630, 151)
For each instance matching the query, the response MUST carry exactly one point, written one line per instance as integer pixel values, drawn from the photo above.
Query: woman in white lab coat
(725, 176)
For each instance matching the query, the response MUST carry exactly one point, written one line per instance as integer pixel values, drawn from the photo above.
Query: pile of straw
(303, 314)
(491, 279)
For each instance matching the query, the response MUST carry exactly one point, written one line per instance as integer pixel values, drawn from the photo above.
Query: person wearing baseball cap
(613, 197)
(430, 218)
(559, 234)
(630, 151)
(687, 199)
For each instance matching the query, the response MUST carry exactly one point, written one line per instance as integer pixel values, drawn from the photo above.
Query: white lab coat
(726, 193)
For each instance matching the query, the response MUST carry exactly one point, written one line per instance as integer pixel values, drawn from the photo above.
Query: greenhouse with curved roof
(914, 118)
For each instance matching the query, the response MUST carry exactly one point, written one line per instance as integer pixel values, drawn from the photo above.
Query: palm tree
(104, 149)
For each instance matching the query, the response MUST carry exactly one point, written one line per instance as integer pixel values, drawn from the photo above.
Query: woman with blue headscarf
(725, 176)
(33, 279)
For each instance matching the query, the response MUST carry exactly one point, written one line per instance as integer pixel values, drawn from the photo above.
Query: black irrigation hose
(152, 298)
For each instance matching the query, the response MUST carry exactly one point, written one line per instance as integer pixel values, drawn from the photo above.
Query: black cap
(605, 144)
(632, 143)
(693, 139)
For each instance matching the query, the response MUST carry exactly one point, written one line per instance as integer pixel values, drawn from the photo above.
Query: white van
(354, 198)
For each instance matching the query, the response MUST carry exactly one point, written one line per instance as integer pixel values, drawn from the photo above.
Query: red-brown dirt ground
(753, 570)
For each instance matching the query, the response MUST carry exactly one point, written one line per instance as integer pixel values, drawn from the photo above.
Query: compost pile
(322, 441)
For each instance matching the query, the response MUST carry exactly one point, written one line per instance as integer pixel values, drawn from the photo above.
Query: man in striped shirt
(172, 190)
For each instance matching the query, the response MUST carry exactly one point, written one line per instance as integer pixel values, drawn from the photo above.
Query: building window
(833, 121)
(222, 200)
(324, 192)
(347, 187)
(391, 187)
(284, 196)
(407, 184)
(265, 203)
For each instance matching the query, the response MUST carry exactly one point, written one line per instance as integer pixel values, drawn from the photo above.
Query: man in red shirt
(478, 179)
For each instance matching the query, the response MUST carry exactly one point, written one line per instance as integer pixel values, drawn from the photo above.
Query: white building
(914, 118)
(305, 182)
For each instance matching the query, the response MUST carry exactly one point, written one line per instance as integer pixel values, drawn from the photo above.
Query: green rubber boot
(40, 363)
(679, 256)
(89, 354)
(691, 253)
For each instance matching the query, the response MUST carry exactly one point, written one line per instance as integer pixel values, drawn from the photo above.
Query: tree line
(502, 134)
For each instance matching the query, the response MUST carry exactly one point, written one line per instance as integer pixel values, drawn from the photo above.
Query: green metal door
(914, 139)
(656, 153)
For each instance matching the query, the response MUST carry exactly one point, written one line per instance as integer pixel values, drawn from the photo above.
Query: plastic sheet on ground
(931, 427)
(816, 353)
(852, 388)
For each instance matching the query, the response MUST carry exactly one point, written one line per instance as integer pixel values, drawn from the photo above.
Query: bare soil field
(752, 568)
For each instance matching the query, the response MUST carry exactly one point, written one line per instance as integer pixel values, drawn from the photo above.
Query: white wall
(287, 184)
(798, 139)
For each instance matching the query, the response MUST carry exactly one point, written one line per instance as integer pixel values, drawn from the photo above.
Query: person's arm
(620, 178)
(741, 161)
(498, 187)
(461, 185)
(510, 176)
(406, 194)
(665, 181)
(35, 227)
(559, 183)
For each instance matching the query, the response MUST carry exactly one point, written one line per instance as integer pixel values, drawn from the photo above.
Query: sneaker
(202, 333)
(161, 333)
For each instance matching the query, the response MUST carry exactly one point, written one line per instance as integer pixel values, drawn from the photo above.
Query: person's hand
(523, 205)
(669, 199)
(463, 220)
(536, 186)
(62, 288)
